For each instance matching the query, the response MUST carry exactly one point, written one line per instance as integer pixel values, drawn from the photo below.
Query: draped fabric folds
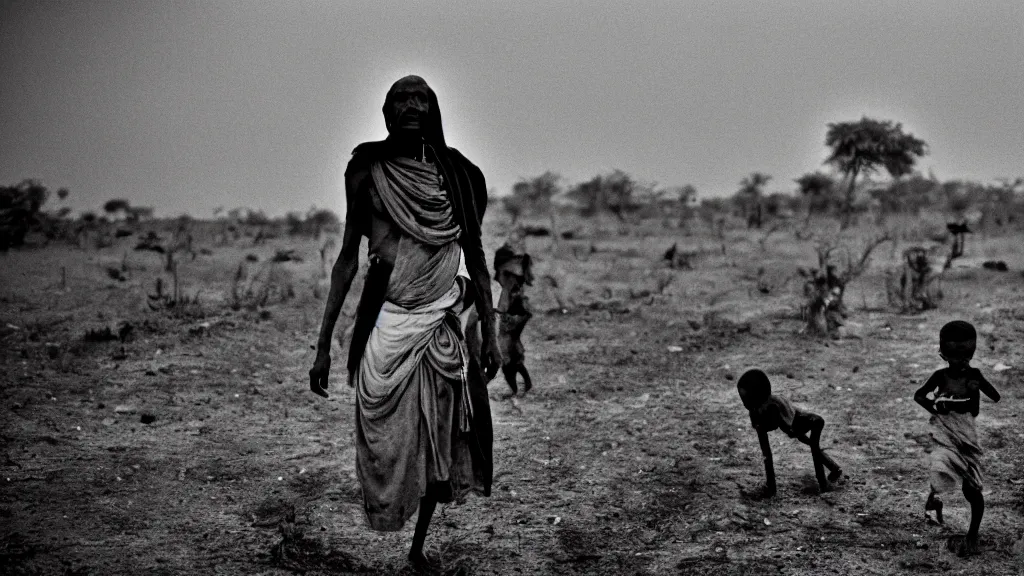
(412, 407)
(422, 210)
(956, 454)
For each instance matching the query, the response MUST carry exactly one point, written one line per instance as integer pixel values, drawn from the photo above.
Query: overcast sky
(187, 106)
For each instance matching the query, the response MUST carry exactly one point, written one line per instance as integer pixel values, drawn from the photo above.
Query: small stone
(124, 409)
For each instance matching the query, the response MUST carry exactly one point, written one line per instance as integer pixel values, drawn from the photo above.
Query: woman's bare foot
(421, 562)
(963, 546)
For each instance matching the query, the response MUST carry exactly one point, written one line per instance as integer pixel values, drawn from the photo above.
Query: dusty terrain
(626, 458)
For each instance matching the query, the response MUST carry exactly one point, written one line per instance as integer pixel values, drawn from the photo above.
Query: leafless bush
(824, 287)
(679, 259)
(173, 301)
(269, 283)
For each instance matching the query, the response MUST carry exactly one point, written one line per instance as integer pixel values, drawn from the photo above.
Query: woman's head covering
(958, 338)
(432, 131)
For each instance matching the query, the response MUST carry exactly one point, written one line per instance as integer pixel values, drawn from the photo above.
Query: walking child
(770, 412)
(956, 453)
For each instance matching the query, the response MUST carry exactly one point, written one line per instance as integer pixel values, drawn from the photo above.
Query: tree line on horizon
(858, 151)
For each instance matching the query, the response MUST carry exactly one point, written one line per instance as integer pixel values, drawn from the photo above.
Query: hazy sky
(186, 106)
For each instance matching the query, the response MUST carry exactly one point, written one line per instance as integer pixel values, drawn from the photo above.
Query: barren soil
(626, 458)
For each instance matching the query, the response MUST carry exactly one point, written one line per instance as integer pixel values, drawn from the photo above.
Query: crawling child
(770, 412)
(956, 453)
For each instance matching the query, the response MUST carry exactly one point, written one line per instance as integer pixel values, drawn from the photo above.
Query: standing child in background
(769, 412)
(956, 454)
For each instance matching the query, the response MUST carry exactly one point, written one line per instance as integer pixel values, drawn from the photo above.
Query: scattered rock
(124, 409)
(1018, 547)
(1000, 367)
(997, 265)
(675, 348)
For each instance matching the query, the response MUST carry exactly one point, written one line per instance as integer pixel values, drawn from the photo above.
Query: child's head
(754, 388)
(957, 341)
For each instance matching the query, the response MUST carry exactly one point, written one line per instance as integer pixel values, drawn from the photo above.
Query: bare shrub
(256, 287)
(824, 287)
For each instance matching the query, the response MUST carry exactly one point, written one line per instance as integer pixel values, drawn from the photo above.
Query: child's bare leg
(815, 424)
(427, 505)
(835, 472)
(527, 383)
(934, 503)
(816, 455)
(510, 378)
(968, 546)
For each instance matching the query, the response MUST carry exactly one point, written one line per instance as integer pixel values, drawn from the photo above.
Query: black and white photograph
(449, 288)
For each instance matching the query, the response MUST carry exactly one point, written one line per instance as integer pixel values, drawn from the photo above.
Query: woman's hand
(319, 374)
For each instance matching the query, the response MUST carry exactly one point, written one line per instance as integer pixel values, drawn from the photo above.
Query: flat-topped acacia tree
(865, 146)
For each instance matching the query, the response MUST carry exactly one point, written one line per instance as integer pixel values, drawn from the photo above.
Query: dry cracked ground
(190, 444)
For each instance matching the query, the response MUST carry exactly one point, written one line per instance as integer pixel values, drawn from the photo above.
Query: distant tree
(818, 191)
(865, 146)
(615, 192)
(256, 218)
(537, 193)
(514, 206)
(294, 222)
(321, 219)
(687, 197)
(749, 198)
(590, 195)
(779, 205)
(115, 206)
(138, 213)
(620, 189)
(21, 211)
